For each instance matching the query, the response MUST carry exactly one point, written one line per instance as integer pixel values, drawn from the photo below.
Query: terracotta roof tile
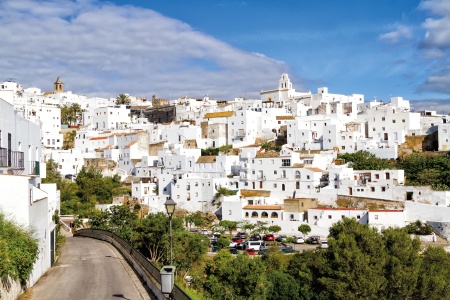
(219, 114)
(315, 169)
(98, 138)
(268, 154)
(263, 207)
(255, 193)
(297, 165)
(279, 118)
(206, 159)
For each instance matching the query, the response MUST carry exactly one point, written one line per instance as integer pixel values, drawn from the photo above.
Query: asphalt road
(89, 269)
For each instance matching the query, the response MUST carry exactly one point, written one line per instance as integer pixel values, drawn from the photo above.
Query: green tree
(304, 229)
(419, 228)
(222, 243)
(433, 283)
(122, 220)
(53, 175)
(363, 160)
(99, 220)
(261, 228)
(188, 248)
(195, 218)
(402, 264)
(71, 114)
(228, 225)
(151, 235)
(222, 191)
(210, 152)
(274, 229)
(247, 226)
(123, 99)
(241, 277)
(282, 286)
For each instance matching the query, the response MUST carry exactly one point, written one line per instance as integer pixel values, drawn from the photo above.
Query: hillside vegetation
(420, 168)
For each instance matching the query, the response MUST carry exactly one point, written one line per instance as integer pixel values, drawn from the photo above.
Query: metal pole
(170, 233)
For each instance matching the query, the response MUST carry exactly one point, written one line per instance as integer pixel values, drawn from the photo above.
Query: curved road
(89, 269)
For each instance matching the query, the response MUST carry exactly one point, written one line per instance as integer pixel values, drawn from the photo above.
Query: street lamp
(170, 208)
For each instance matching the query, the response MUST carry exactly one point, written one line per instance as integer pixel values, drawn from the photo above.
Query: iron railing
(11, 159)
(148, 265)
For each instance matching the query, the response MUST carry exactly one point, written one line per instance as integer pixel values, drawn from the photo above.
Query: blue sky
(228, 48)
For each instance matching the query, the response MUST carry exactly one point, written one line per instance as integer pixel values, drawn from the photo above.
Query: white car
(298, 240)
(323, 245)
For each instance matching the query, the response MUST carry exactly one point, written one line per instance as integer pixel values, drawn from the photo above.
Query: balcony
(34, 168)
(12, 159)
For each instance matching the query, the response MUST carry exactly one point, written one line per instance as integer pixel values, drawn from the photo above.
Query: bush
(18, 251)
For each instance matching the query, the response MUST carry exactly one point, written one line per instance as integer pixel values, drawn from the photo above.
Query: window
(315, 217)
(274, 215)
(373, 129)
(377, 176)
(329, 216)
(343, 147)
(264, 215)
(246, 214)
(383, 118)
(286, 162)
(383, 189)
(275, 185)
(376, 217)
(403, 121)
(275, 172)
(343, 137)
(343, 216)
(372, 189)
(254, 214)
(393, 121)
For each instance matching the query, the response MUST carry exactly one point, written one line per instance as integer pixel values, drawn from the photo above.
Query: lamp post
(170, 208)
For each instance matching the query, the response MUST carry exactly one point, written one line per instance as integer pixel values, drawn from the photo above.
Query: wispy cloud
(435, 44)
(397, 34)
(104, 49)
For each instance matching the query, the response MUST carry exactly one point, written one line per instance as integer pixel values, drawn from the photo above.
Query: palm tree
(123, 99)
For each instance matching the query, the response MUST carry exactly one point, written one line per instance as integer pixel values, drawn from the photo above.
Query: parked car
(255, 237)
(263, 251)
(254, 245)
(233, 251)
(323, 245)
(241, 235)
(212, 239)
(235, 241)
(313, 240)
(281, 238)
(251, 251)
(269, 237)
(288, 249)
(298, 240)
(241, 246)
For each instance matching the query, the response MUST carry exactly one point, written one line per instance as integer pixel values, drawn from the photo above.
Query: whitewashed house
(22, 196)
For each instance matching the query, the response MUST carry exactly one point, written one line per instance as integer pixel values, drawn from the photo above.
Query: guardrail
(148, 270)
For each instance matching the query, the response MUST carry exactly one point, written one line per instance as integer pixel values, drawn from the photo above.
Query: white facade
(23, 198)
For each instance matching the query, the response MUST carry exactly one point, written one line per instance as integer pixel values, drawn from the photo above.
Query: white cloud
(104, 49)
(400, 32)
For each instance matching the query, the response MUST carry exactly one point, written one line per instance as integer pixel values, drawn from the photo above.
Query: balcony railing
(11, 159)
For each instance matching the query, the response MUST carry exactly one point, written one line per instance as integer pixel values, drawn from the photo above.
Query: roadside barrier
(147, 269)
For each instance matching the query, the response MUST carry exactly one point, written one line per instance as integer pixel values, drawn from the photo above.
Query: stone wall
(367, 203)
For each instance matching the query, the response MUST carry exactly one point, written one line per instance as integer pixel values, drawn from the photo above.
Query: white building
(23, 197)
